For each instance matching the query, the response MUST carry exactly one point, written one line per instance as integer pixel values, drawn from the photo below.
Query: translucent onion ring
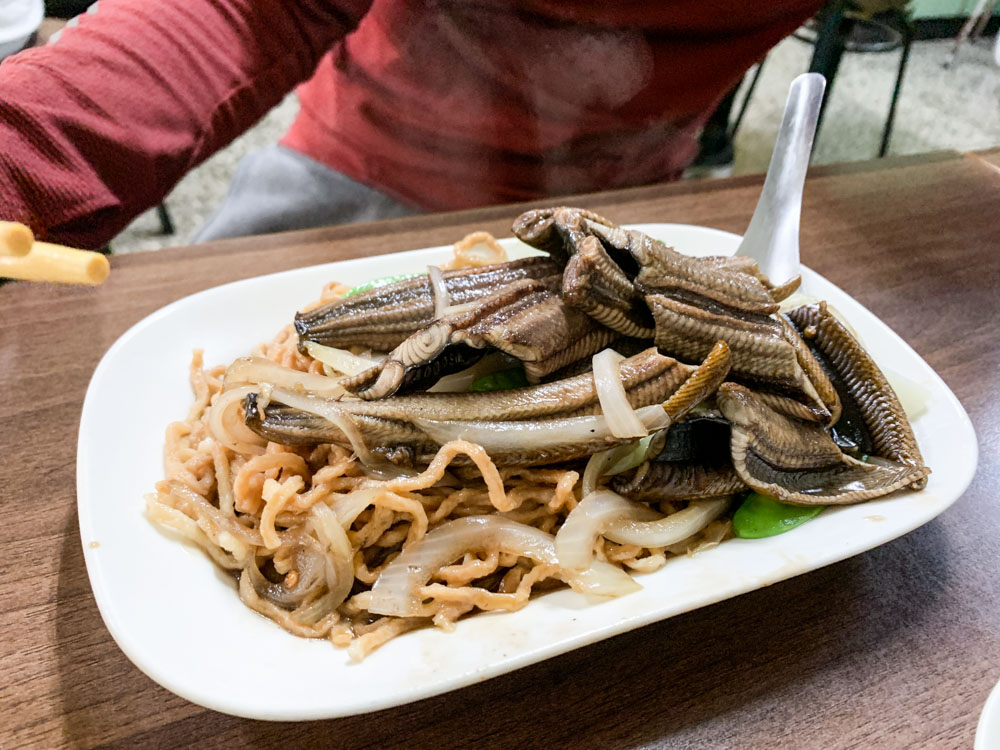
(622, 419)
(257, 370)
(395, 591)
(588, 520)
(439, 290)
(226, 423)
(669, 530)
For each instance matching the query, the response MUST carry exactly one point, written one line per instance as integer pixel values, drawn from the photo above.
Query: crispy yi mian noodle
(310, 533)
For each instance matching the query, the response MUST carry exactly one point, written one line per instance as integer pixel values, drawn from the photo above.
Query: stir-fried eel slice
(863, 387)
(798, 462)
(665, 271)
(693, 464)
(283, 424)
(537, 442)
(556, 231)
(783, 291)
(591, 339)
(690, 465)
(523, 319)
(420, 350)
(701, 438)
(814, 372)
(419, 374)
(594, 283)
(743, 264)
(654, 481)
(381, 318)
(702, 383)
(790, 407)
(535, 455)
(759, 348)
(625, 345)
(648, 378)
(528, 426)
(761, 353)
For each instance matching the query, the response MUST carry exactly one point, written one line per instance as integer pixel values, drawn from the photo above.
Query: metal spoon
(772, 239)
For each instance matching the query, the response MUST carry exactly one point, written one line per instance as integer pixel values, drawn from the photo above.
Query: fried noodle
(306, 532)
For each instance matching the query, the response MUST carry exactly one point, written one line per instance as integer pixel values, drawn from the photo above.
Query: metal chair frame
(830, 44)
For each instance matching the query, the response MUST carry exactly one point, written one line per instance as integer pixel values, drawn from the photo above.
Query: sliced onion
(497, 437)
(588, 520)
(348, 507)
(227, 425)
(439, 290)
(601, 581)
(629, 456)
(340, 360)
(308, 563)
(257, 370)
(338, 554)
(396, 590)
(330, 411)
(597, 466)
(477, 249)
(194, 505)
(913, 396)
(442, 299)
(316, 610)
(622, 419)
(614, 461)
(670, 530)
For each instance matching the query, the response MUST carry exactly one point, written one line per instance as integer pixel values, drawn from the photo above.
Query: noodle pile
(307, 532)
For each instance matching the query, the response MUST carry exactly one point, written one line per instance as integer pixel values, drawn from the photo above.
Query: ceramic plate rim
(988, 728)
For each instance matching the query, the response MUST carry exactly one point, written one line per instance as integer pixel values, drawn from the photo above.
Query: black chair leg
(746, 99)
(890, 120)
(831, 41)
(166, 223)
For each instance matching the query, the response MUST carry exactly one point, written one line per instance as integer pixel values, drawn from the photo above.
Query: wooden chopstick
(56, 264)
(15, 239)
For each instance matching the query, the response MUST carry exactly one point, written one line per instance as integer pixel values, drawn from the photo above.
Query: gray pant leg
(278, 189)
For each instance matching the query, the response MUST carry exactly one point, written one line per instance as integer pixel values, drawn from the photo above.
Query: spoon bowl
(772, 238)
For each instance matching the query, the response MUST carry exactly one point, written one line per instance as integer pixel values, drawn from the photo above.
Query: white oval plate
(988, 729)
(179, 619)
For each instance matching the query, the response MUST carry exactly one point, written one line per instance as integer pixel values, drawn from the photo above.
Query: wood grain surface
(894, 648)
(990, 156)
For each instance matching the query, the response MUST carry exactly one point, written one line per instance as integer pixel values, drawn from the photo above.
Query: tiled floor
(957, 108)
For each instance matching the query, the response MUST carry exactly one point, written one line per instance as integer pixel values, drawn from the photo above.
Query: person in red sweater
(408, 104)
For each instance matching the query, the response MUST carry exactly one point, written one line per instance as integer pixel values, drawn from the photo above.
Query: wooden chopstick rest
(56, 264)
(15, 239)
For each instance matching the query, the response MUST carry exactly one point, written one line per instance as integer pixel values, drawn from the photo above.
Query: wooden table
(895, 648)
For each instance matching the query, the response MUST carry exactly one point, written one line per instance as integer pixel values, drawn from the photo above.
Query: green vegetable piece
(760, 516)
(501, 380)
(381, 281)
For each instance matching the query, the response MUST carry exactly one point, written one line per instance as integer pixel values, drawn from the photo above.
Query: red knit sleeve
(100, 126)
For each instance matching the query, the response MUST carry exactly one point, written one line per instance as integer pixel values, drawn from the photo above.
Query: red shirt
(440, 103)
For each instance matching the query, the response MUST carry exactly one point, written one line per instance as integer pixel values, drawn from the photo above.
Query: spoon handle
(772, 239)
